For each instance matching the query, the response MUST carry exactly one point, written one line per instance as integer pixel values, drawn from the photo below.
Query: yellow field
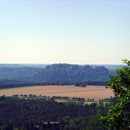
(89, 92)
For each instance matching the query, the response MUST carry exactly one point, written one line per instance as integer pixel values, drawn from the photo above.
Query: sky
(64, 31)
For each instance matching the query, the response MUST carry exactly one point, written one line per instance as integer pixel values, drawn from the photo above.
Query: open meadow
(89, 92)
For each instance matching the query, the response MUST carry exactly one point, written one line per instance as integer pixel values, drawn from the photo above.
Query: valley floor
(89, 92)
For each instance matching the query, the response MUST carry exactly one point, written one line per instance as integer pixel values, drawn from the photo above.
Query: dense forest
(70, 74)
(47, 114)
(56, 74)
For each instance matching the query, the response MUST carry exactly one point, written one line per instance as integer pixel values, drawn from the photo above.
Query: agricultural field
(89, 92)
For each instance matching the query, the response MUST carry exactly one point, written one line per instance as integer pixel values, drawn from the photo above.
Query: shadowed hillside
(56, 74)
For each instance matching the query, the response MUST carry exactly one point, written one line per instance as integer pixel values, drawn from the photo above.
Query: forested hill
(73, 74)
(55, 74)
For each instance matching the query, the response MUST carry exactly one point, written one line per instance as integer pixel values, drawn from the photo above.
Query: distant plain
(89, 92)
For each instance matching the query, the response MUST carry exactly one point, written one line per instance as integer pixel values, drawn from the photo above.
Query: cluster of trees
(14, 83)
(118, 117)
(46, 114)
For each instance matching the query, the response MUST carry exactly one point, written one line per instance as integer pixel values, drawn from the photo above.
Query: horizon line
(60, 63)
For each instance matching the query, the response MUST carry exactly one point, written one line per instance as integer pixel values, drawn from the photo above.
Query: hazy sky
(64, 31)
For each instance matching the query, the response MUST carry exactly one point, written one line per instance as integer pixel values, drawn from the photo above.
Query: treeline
(46, 114)
(12, 84)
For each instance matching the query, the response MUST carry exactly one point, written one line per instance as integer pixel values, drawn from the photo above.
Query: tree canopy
(118, 117)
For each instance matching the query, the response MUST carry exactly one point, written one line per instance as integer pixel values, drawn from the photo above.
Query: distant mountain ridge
(69, 74)
(59, 74)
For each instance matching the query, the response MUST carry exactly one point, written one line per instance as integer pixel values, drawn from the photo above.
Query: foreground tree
(118, 117)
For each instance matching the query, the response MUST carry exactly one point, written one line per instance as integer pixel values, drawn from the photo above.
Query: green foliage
(118, 117)
(27, 114)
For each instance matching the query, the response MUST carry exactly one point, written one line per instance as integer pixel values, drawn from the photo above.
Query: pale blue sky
(64, 31)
